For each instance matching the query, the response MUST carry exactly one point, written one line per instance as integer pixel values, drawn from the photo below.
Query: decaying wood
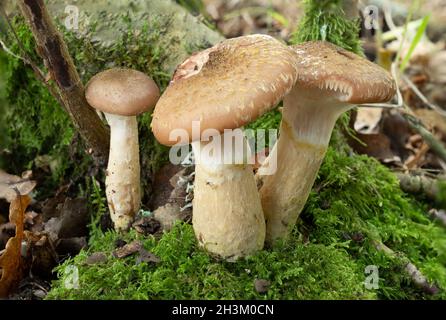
(53, 50)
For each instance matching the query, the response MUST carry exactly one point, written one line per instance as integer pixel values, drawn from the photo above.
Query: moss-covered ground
(355, 203)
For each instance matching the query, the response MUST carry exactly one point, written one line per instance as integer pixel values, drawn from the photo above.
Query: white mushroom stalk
(122, 94)
(227, 214)
(331, 81)
(305, 132)
(122, 182)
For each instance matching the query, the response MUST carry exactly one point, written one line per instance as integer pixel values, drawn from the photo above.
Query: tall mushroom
(225, 87)
(122, 94)
(331, 81)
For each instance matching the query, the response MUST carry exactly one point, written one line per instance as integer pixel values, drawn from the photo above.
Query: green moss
(355, 202)
(324, 20)
(359, 198)
(295, 270)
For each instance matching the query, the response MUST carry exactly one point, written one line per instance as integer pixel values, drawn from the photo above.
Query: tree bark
(53, 50)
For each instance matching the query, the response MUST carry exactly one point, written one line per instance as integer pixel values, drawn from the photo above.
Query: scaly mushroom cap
(342, 74)
(124, 92)
(226, 86)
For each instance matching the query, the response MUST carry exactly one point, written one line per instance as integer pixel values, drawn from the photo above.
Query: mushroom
(122, 94)
(219, 89)
(331, 81)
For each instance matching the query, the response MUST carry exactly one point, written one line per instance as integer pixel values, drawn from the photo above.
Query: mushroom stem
(307, 123)
(122, 183)
(227, 213)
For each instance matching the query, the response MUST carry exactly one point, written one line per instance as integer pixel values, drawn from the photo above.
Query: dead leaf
(7, 231)
(71, 246)
(147, 257)
(396, 128)
(43, 254)
(169, 214)
(171, 182)
(128, 249)
(96, 258)
(262, 285)
(146, 225)
(10, 185)
(433, 120)
(374, 145)
(12, 263)
(417, 160)
(70, 220)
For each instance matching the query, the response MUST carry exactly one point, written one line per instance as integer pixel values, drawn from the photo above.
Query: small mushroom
(225, 87)
(122, 94)
(331, 81)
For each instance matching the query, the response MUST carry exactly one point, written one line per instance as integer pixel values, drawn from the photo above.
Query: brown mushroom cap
(342, 74)
(124, 92)
(226, 86)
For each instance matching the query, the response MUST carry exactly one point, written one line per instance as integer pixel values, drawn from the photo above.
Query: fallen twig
(412, 271)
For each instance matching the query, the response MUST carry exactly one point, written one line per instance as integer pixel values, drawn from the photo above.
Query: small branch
(54, 52)
(435, 144)
(411, 270)
(418, 184)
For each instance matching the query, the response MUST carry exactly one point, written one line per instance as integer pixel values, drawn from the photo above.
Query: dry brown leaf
(11, 184)
(374, 145)
(437, 67)
(11, 262)
(432, 119)
(128, 249)
(417, 160)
